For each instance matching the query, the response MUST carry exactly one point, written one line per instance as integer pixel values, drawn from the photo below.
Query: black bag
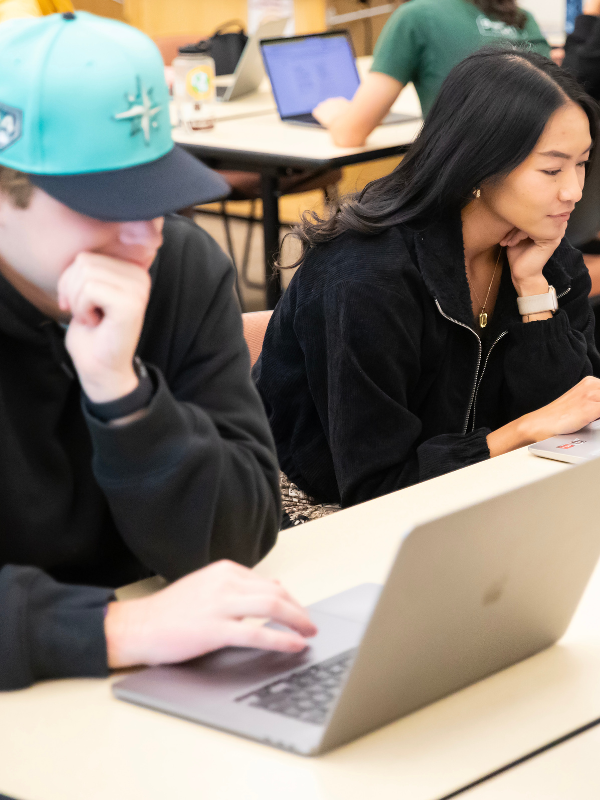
(225, 48)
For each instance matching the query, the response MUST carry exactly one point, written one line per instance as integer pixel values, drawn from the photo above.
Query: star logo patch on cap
(10, 125)
(141, 112)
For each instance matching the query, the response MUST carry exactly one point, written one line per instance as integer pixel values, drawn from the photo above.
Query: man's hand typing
(201, 612)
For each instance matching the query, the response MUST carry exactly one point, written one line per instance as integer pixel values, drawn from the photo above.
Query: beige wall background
(550, 14)
(104, 8)
(201, 17)
(196, 17)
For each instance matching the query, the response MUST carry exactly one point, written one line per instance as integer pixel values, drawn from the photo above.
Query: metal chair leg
(229, 240)
(228, 237)
(246, 259)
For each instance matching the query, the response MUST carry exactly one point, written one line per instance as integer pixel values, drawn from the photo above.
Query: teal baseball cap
(84, 112)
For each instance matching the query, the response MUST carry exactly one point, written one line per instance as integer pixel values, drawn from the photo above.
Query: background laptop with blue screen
(305, 70)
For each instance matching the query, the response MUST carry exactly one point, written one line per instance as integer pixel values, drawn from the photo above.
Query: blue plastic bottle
(574, 8)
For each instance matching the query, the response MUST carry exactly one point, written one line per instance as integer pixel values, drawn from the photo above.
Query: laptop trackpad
(356, 604)
(191, 688)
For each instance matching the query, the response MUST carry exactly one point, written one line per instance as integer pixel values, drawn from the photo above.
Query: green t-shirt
(424, 39)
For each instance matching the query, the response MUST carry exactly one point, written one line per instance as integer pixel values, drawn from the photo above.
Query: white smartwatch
(537, 303)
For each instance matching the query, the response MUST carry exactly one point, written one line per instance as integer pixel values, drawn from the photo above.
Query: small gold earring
(477, 193)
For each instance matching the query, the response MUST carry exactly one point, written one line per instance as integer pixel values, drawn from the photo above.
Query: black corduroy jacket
(374, 377)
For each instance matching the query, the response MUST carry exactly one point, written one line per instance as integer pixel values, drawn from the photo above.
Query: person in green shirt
(421, 42)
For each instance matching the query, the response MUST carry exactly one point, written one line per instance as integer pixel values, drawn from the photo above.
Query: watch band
(136, 400)
(537, 303)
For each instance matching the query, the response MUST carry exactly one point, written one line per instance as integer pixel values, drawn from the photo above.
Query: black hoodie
(375, 378)
(83, 502)
(582, 53)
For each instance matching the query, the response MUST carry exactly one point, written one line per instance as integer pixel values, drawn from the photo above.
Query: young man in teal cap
(132, 439)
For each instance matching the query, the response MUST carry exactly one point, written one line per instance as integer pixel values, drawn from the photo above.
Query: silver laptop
(575, 448)
(468, 594)
(249, 70)
(305, 70)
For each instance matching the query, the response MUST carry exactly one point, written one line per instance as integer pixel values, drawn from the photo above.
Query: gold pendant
(482, 319)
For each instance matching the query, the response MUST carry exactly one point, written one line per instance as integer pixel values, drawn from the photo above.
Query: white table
(249, 105)
(67, 740)
(569, 770)
(264, 140)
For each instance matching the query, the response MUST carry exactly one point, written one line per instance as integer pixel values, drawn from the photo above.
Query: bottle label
(199, 82)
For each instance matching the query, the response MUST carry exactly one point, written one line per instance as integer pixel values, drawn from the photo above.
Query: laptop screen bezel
(303, 37)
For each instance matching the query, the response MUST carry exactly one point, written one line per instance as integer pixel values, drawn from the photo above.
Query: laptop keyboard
(306, 119)
(306, 695)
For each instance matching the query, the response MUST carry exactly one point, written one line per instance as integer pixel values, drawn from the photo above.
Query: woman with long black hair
(421, 42)
(439, 318)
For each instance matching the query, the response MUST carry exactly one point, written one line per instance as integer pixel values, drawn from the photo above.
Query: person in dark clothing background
(582, 49)
(132, 439)
(409, 342)
(582, 60)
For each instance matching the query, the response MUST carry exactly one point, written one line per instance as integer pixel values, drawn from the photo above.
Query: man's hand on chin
(107, 300)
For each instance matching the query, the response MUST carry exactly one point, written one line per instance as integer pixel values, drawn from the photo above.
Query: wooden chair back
(255, 327)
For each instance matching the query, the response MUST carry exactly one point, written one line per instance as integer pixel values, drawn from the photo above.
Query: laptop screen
(305, 71)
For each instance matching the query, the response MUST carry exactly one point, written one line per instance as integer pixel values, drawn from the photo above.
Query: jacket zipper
(478, 378)
(487, 358)
(462, 325)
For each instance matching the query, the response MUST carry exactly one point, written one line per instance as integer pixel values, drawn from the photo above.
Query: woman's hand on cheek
(527, 258)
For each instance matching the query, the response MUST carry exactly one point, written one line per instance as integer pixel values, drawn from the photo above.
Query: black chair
(246, 186)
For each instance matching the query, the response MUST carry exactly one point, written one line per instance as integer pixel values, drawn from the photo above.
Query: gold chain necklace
(483, 317)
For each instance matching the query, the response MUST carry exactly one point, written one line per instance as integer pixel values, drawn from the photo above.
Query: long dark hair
(487, 118)
(505, 10)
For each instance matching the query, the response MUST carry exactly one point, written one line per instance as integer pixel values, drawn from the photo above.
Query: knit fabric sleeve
(195, 479)
(546, 358)
(49, 629)
(582, 53)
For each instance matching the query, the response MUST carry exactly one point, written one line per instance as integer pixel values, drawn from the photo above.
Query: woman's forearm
(509, 437)
(346, 131)
(350, 123)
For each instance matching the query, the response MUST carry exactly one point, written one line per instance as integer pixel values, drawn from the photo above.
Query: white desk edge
(63, 740)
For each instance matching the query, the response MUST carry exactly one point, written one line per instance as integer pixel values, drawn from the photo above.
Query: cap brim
(172, 182)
